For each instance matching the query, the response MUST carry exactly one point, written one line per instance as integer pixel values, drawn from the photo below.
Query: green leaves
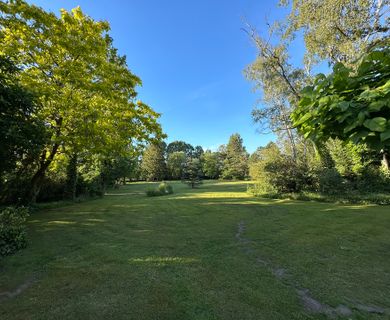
(376, 124)
(349, 107)
(86, 91)
(385, 135)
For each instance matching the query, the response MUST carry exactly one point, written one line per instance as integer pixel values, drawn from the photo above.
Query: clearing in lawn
(209, 253)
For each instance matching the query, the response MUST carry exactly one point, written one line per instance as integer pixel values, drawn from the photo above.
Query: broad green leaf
(350, 127)
(376, 124)
(385, 135)
(376, 105)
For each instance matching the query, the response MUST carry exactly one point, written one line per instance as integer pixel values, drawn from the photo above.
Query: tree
(198, 152)
(236, 163)
(175, 164)
(180, 146)
(280, 83)
(153, 162)
(211, 164)
(85, 89)
(338, 30)
(193, 172)
(21, 133)
(350, 106)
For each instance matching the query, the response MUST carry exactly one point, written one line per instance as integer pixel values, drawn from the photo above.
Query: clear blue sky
(190, 56)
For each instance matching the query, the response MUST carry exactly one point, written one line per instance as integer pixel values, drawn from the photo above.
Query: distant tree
(175, 164)
(211, 164)
(261, 158)
(236, 162)
(180, 146)
(198, 152)
(193, 172)
(153, 162)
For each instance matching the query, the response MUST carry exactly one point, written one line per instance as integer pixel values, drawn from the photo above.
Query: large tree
(236, 162)
(85, 89)
(338, 30)
(279, 82)
(180, 146)
(153, 162)
(211, 164)
(175, 164)
(22, 135)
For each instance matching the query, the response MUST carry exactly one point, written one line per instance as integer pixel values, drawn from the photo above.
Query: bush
(330, 182)
(163, 189)
(12, 229)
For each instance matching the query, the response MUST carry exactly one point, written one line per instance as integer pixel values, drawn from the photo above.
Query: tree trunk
(37, 179)
(385, 161)
(72, 178)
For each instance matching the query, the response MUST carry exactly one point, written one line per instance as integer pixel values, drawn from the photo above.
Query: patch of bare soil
(18, 290)
(309, 303)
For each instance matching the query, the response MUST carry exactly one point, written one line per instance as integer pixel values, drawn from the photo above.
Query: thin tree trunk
(385, 161)
(72, 177)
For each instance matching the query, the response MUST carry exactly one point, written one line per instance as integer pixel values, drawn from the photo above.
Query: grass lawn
(210, 253)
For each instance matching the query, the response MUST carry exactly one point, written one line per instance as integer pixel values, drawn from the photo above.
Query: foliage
(84, 87)
(22, 134)
(211, 165)
(12, 229)
(175, 164)
(338, 30)
(331, 182)
(198, 152)
(163, 189)
(235, 165)
(349, 106)
(279, 82)
(180, 146)
(348, 159)
(193, 172)
(153, 162)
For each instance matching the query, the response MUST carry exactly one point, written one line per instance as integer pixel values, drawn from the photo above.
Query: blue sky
(190, 56)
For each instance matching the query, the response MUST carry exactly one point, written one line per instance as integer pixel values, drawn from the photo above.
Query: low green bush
(12, 229)
(330, 182)
(163, 189)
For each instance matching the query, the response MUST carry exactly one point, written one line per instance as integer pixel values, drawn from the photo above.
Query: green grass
(128, 256)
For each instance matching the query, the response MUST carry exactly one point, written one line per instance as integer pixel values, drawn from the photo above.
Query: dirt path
(309, 303)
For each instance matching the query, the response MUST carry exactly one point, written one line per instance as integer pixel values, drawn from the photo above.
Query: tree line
(180, 160)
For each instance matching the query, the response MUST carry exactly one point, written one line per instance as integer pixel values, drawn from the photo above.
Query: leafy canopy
(85, 88)
(349, 106)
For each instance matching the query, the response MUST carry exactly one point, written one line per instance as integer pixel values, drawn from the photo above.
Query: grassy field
(210, 253)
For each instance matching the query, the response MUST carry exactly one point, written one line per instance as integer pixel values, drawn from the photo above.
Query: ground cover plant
(214, 252)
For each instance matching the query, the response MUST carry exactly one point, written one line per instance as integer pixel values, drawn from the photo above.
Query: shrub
(165, 188)
(162, 189)
(330, 182)
(12, 229)
(373, 180)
